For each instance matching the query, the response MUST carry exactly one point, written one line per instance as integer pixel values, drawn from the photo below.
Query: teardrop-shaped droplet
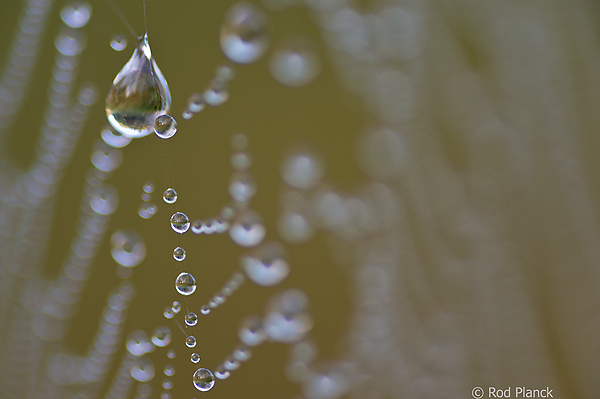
(139, 94)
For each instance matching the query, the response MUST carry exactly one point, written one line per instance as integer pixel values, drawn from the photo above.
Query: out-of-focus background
(430, 168)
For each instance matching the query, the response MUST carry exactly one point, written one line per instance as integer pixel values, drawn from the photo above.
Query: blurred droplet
(251, 331)
(142, 369)
(118, 42)
(243, 33)
(76, 14)
(295, 63)
(128, 248)
(267, 265)
(247, 229)
(161, 336)
(302, 170)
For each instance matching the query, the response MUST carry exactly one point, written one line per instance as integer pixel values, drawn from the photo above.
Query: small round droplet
(243, 33)
(225, 73)
(295, 64)
(302, 170)
(247, 229)
(251, 331)
(70, 42)
(76, 14)
(148, 187)
(165, 126)
(221, 373)
(165, 395)
(179, 254)
(180, 223)
(185, 284)
(170, 196)
(216, 93)
(187, 114)
(295, 228)
(128, 248)
(161, 336)
(167, 383)
(242, 353)
(191, 319)
(118, 42)
(203, 380)
(176, 307)
(171, 354)
(169, 370)
(240, 161)
(195, 358)
(190, 341)
(205, 309)
(196, 103)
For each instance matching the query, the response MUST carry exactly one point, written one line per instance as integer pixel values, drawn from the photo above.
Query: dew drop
(242, 187)
(171, 354)
(142, 369)
(203, 379)
(170, 196)
(221, 373)
(165, 126)
(165, 395)
(118, 42)
(105, 199)
(70, 42)
(196, 103)
(242, 353)
(187, 114)
(161, 336)
(167, 383)
(205, 309)
(147, 210)
(302, 170)
(295, 228)
(168, 313)
(243, 33)
(128, 248)
(267, 266)
(138, 343)
(180, 223)
(179, 254)
(287, 320)
(114, 139)
(216, 93)
(190, 341)
(231, 364)
(169, 370)
(139, 94)
(148, 187)
(176, 307)
(76, 14)
(247, 229)
(295, 64)
(251, 331)
(195, 358)
(191, 319)
(225, 73)
(185, 284)
(106, 158)
(240, 161)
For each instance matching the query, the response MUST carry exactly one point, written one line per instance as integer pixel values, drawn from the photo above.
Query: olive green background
(184, 38)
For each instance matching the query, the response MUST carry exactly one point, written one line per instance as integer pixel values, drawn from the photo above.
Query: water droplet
(165, 126)
(295, 64)
(231, 364)
(169, 370)
(167, 383)
(170, 196)
(190, 341)
(239, 141)
(76, 14)
(242, 353)
(70, 42)
(139, 94)
(180, 223)
(138, 343)
(196, 103)
(128, 248)
(240, 161)
(165, 395)
(205, 309)
(147, 210)
(168, 313)
(176, 307)
(243, 33)
(187, 114)
(161, 336)
(287, 321)
(105, 199)
(191, 319)
(185, 284)
(148, 187)
(106, 158)
(225, 73)
(295, 228)
(179, 254)
(216, 93)
(142, 369)
(302, 170)
(266, 266)
(114, 139)
(195, 358)
(251, 331)
(203, 380)
(247, 230)
(171, 354)
(242, 187)
(221, 373)
(146, 197)
(305, 351)
(118, 42)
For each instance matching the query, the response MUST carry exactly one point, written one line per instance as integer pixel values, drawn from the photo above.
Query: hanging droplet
(242, 186)
(139, 94)
(180, 223)
(203, 380)
(267, 266)
(171, 354)
(138, 343)
(185, 284)
(243, 37)
(302, 170)
(176, 307)
(196, 103)
(295, 64)
(118, 42)
(147, 210)
(216, 93)
(170, 196)
(167, 383)
(205, 309)
(251, 332)
(179, 254)
(168, 313)
(221, 373)
(165, 126)
(142, 369)
(195, 358)
(161, 336)
(76, 14)
(247, 229)
(225, 73)
(114, 139)
(169, 370)
(128, 248)
(105, 199)
(191, 319)
(190, 341)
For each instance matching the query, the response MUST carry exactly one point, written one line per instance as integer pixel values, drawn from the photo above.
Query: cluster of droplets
(147, 209)
(228, 289)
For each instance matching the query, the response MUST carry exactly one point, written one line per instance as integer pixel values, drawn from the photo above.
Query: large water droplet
(180, 223)
(139, 94)
(294, 64)
(203, 380)
(165, 126)
(128, 248)
(247, 229)
(118, 42)
(267, 266)
(243, 37)
(76, 14)
(185, 284)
